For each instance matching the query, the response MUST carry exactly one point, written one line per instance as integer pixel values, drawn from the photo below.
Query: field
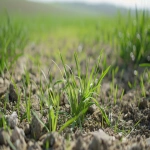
(73, 80)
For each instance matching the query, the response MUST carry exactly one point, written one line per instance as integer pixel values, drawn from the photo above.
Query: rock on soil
(36, 126)
(80, 144)
(33, 146)
(4, 136)
(13, 120)
(18, 139)
(129, 116)
(54, 141)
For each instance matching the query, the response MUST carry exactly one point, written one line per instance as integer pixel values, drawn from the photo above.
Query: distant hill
(91, 9)
(27, 7)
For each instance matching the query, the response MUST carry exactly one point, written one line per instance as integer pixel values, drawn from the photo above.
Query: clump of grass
(12, 41)
(81, 90)
(50, 99)
(134, 36)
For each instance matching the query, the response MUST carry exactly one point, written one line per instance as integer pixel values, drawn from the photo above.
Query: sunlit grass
(84, 36)
(134, 36)
(12, 41)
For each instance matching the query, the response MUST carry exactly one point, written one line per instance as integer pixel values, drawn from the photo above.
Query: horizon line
(124, 4)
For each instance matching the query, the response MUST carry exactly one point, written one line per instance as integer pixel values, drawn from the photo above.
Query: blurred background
(117, 26)
(97, 7)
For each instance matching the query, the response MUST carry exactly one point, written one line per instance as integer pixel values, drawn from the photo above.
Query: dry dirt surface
(129, 116)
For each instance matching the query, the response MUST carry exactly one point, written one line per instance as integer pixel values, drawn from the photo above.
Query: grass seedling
(122, 93)
(142, 87)
(12, 37)
(53, 111)
(28, 109)
(27, 99)
(145, 65)
(133, 128)
(3, 122)
(70, 121)
(18, 96)
(26, 78)
(113, 81)
(115, 94)
(130, 84)
(34, 114)
(116, 129)
(133, 37)
(114, 88)
(51, 100)
(121, 75)
(80, 90)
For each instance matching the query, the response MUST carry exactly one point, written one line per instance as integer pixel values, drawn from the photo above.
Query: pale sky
(125, 3)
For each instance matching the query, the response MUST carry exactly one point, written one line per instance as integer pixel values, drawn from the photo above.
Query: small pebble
(13, 120)
(36, 127)
(18, 139)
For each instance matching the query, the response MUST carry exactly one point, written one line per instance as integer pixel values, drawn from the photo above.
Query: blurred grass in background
(134, 37)
(13, 39)
(51, 24)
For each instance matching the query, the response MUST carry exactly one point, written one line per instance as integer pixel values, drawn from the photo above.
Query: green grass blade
(72, 120)
(145, 65)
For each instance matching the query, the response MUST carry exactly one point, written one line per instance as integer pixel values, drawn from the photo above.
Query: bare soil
(129, 115)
